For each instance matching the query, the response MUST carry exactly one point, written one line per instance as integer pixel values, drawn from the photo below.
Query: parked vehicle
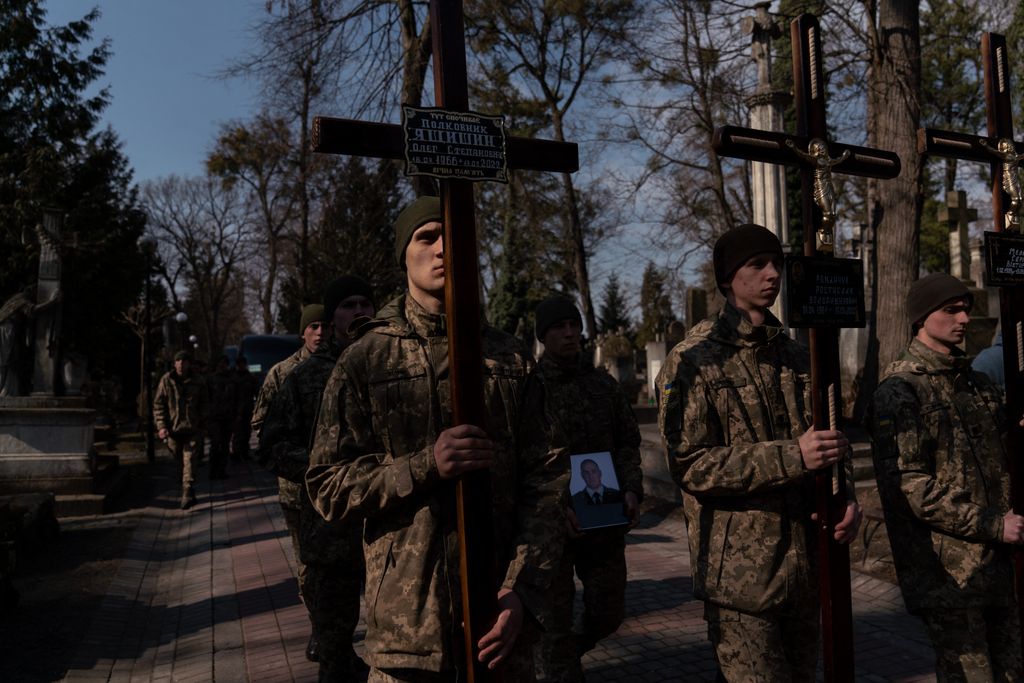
(264, 351)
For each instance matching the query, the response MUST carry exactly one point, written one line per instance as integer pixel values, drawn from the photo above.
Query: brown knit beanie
(931, 292)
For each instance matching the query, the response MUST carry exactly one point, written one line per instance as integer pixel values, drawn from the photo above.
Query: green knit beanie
(311, 313)
(423, 210)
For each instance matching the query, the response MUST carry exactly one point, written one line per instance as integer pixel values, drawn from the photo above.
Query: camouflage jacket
(223, 396)
(385, 403)
(287, 434)
(941, 465)
(291, 493)
(180, 405)
(734, 400)
(587, 412)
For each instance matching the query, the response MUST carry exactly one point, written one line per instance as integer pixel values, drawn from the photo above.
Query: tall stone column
(768, 181)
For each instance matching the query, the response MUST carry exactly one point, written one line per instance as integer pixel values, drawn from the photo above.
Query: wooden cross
(1011, 298)
(817, 158)
(462, 300)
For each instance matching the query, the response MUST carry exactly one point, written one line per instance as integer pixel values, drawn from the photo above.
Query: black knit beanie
(736, 246)
(553, 309)
(341, 289)
(423, 210)
(931, 292)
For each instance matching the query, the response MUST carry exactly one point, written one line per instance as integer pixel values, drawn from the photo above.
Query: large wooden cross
(1011, 298)
(478, 574)
(817, 158)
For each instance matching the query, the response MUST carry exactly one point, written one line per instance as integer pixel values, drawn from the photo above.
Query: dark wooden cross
(478, 573)
(1011, 298)
(817, 158)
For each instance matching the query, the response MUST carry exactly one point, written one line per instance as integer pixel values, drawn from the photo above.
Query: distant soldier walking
(589, 413)
(289, 493)
(179, 411)
(735, 414)
(332, 552)
(246, 388)
(942, 469)
(223, 409)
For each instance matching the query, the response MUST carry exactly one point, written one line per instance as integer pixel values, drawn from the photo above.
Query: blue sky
(166, 103)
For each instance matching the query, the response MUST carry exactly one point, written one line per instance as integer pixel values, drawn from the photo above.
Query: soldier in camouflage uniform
(223, 409)
(179, 414)
(246, 388)
(588, 413)
(735, 413)
(289, 493)
(386, 452)
(942, 469)
(332, 553)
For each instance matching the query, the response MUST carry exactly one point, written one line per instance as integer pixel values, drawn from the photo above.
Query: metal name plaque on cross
(825, 292)
(454, 145)
(1004, 259)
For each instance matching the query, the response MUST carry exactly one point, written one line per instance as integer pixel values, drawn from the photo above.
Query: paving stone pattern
(210, 595)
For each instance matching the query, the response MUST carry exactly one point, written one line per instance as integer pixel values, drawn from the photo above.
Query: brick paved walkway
(210, 595)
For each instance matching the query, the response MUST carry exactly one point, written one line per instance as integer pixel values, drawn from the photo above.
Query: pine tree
(613, 313)
(655, 306)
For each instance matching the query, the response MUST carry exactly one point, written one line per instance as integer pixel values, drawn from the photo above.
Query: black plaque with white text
(825, 292)
(1004, 259)
(454, 145)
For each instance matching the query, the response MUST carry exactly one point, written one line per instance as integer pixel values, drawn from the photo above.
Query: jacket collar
(732, 328)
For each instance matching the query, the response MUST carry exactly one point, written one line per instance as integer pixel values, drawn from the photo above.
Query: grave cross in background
(958, 217)
(462, 297)
(818, 158)
(1000, 150)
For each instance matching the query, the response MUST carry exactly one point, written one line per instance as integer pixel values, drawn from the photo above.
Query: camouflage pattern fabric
(941, 465)
(734, 400)
(289, 492)
(385, 403)
(331, 552)
(587, 412)
(180, 406)
(779, 645)
(977, 644)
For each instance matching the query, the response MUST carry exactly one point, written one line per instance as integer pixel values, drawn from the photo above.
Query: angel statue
(824, 190)
(1007, 151)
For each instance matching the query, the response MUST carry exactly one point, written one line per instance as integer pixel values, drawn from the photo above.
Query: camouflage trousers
(185, 449)
(518, 668)
(291, 520)
(220, 443)
(981, 644)
(776, 646)
(599, 559)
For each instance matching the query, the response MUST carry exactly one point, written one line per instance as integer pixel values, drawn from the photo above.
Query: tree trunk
(895, 87)
(416, 51)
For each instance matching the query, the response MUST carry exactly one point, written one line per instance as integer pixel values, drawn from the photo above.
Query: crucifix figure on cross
(1006, 151)
(395, 481)
(812, 279)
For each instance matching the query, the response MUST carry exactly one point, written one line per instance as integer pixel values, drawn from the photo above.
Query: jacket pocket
(384, 564)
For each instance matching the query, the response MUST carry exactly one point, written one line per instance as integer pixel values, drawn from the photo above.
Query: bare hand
(1013, 528)
(822, 448)
(847, 529)
(632, 508)
(497, 643)
(162, 434)
(462, 449)
(572, 524)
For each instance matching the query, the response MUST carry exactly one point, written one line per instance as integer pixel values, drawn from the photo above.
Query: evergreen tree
(51, 155)
(655, 306)
(613, 313)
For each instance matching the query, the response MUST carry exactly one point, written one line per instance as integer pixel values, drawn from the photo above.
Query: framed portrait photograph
(594, 491)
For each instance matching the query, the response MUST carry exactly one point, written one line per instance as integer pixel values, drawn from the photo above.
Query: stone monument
(46, 438)
(958, 216)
